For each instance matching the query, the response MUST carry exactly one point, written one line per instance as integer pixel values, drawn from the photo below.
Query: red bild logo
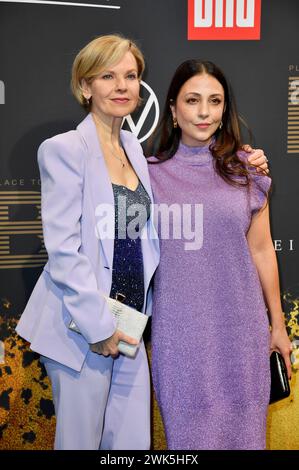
(224, 19)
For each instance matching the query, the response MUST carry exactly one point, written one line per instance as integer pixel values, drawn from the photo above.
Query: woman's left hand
(257, 158)
(280, 342)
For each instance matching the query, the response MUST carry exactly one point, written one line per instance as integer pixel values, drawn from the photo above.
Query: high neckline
(195, 156)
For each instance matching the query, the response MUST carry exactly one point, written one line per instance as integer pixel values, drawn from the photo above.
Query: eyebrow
(128, 71)
(198, 94)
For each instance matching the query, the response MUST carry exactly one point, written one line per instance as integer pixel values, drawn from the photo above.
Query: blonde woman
(101, 398)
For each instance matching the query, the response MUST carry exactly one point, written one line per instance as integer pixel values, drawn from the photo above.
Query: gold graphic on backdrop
(292, 324)
(27, 418)
(16, 229)
(283, 416)
(293, 115)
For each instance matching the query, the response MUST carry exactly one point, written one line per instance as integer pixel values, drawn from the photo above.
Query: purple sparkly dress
(210, 330)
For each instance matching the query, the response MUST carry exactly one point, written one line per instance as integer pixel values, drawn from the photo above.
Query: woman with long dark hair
(210, 330)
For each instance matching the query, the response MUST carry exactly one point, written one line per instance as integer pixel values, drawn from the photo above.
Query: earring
(87, 101)
(175, 122)
(221, 125)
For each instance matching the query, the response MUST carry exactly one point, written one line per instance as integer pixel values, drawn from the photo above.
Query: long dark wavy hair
(228, 140)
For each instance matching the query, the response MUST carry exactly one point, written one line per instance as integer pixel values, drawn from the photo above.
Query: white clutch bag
(128, 320)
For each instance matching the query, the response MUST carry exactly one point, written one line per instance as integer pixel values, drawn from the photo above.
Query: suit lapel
(102, 191)
(99, 183)
(137, 159)
(149, 238)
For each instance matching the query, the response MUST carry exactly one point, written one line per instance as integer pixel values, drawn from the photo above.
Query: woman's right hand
(109, 346)
(280, 342)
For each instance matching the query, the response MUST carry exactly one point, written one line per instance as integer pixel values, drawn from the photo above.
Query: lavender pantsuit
(210, 331)
(99, 402)
(104, 406)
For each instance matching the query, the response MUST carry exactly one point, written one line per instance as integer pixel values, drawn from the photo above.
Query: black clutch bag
(280, 387)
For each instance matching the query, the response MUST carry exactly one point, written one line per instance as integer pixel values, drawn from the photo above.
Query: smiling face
(115, 91)
(199, 108)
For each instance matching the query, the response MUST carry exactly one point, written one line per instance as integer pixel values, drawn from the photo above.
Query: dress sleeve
(260, 185)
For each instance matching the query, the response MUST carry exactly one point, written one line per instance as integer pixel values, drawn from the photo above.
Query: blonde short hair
(98, 55)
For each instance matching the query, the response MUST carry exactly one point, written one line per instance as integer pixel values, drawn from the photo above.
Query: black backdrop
(38, 43)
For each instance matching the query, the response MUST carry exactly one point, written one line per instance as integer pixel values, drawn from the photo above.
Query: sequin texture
(127, 276)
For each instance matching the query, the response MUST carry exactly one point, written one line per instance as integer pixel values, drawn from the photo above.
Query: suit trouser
(104, 406)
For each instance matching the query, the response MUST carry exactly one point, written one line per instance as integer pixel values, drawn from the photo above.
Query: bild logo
(224, 19)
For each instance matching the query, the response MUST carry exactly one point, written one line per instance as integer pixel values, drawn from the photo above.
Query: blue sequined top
(132, 210)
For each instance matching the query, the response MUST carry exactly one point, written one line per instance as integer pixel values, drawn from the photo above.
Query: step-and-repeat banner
(254, 41)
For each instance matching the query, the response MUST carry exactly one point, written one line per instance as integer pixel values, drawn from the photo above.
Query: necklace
(115, 156)
(118, 158)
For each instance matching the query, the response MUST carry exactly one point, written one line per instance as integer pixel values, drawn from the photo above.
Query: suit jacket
(75, 185)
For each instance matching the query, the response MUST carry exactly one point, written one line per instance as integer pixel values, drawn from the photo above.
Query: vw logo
(145, 119)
